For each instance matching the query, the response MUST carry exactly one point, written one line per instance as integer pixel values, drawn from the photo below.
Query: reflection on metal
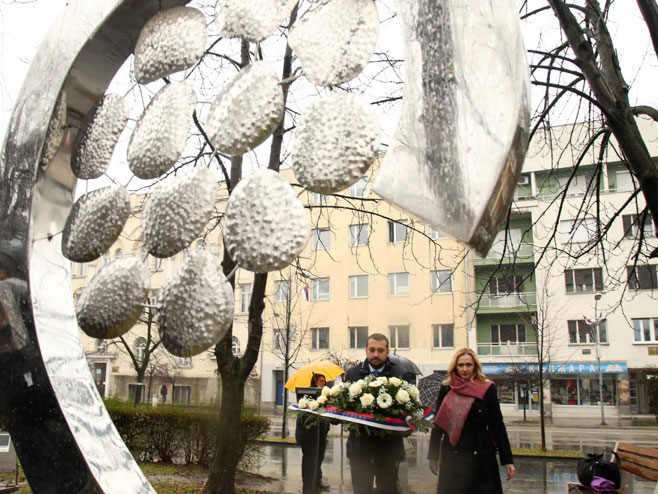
(335, 143)
(334, 40)
(247, 110)
(161, 133)
(176, 212)
(254, 20)
(265, 225)
(95, 222)
(62, 433)
(171, 41)
(95, 142)
(197, 306)
(55, 131)
(462, 135)
(112, 301)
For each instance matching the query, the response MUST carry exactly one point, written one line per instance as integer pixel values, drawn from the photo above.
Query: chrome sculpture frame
(63, 434)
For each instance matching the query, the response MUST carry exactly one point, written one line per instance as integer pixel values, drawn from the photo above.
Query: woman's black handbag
(594, 465)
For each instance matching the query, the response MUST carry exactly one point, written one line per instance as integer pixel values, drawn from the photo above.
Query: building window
(441, 281)
(581, 332)
(77, 269)
(321, 238)
(443, 336)
(584, 280)
(320, 289)
(136, 393)
(282, 290)
(107, 257)
(359, 337)
(283, 337)
(505, 285)
(118, 254)
(503, 334)
(140, 349)
(319, 338)
(101, 346)
(436, 234)
(181, 395)
(632, 224)
(645, 330)
(359, 286)
(359, 188)
(397, 231)
(625, 181)
(359, 234)
(583, 391)
(235, 345)
(583, 230)
(642, 277)
(398, 284)
(245, 297)
(184, 361)
(399, 336)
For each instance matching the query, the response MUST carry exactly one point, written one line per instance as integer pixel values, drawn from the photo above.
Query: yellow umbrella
(302, 376)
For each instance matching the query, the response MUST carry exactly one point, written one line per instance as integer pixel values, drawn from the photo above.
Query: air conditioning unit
(524, 180)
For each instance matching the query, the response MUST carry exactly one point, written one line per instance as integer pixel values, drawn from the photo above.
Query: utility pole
(594, 324)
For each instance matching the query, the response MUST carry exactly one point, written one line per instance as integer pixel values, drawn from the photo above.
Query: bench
(638, 460)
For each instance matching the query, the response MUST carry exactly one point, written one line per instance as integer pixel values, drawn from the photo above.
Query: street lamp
(594, 324)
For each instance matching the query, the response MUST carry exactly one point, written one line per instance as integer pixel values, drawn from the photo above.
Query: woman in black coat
(469, 429)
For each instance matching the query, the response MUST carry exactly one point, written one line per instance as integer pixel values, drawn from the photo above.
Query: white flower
(367, 400)
(356, 389)
(383, 379)
(395, 381)
(362, 383)
(376, 383)
(326, 391)
(322, 400)
(402, 397)
(384, 400)
(413, 392)
(314, 405)
(302, 403)
(335, 390)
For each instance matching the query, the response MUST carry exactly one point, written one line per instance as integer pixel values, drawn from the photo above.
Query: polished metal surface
(197, 306)
(63, 435)
(336, 141)
(265, 225)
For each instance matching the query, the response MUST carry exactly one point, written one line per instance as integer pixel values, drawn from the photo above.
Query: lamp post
(594, 324)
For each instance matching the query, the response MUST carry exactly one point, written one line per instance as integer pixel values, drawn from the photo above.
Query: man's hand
(510, 471)
(434, 466)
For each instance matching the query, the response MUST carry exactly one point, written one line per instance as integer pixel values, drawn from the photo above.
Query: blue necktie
(375, 373)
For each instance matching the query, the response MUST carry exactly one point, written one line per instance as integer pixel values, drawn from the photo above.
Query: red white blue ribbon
(391, 424)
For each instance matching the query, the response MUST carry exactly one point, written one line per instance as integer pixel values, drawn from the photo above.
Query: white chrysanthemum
(322, 400)
(413, 392)
(314, 405)
(356, 389)
(384, 400)
(402, 397)
(302, 403)
(326, 391)
(367, 400)
(395, 381)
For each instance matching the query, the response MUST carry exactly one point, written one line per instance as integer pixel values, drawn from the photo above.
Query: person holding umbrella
(469, 429)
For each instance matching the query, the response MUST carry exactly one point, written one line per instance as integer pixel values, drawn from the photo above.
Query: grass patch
(560, 453)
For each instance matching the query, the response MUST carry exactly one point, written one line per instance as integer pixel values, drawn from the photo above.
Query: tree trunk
(229, 444)
(542, 424)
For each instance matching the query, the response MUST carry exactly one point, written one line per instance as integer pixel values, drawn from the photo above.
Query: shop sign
(558, 368)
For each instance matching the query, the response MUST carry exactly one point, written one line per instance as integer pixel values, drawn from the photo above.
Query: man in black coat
(373, 457)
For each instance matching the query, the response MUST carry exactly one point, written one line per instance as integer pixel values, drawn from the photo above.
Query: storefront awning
(557, 368)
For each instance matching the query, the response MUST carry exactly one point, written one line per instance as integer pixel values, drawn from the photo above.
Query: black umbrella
(429, 387)
(407, 365)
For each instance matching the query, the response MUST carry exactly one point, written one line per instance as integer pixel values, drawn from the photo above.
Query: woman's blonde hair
(477, 370)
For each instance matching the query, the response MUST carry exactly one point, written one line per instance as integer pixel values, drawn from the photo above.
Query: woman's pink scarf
(457, 403)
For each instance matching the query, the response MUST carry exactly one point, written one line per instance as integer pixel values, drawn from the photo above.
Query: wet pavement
(534, 475)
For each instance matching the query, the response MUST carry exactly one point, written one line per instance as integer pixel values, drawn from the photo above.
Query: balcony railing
(523, 251)
(506, 349)
(512, 300)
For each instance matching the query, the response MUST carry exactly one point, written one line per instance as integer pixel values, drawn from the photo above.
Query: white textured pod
(254, 20)
(100, 131)
(196, 306)
(265, 225)
(95, 222)
(335, 40)
(177, 210)
(55, 131)
(247, 110)
(335, 143)
(171, 41)
(112, 302)
(161, 133)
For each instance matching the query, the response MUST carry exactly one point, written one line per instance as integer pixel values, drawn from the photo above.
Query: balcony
(507, 349)
(514, 302)
(523, 254)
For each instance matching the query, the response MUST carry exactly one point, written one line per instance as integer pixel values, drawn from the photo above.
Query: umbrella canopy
(429, 389)
(405, 364)
(302, 376)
